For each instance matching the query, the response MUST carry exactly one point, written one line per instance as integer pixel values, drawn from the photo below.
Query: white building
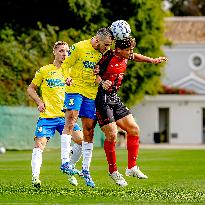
(178, 119)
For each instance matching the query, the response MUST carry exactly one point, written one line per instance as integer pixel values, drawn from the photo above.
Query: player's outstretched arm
(141, 58)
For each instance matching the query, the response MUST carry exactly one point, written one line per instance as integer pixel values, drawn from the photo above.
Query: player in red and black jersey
(111, 112)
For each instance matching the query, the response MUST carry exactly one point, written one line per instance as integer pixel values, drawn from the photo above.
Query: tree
(20, 57)
(146, 20)
(24, 49)
(147, 24)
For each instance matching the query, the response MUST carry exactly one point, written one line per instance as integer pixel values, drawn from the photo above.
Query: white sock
(65, 147)
(36, 161)
(87, 154)
(76, 153)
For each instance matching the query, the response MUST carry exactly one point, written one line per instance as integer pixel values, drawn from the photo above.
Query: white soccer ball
(2, 150)
(120, 29)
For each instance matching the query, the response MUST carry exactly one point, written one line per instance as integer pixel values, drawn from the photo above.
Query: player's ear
(117, 50)
(97, 39)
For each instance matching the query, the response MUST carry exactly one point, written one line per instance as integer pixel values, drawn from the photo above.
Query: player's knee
(88, 138)
(111, 136)
(88, 130)
(88, 135)
(40, 144)
(78, 141)
(77, 137)
(70, 121)
(68, 128)
(71, 116)
(134, 131)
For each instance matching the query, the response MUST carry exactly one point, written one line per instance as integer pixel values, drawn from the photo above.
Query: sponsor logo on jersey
(54, 83)
(89, 64)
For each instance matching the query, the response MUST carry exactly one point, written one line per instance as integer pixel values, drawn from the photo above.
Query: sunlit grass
(175, 177)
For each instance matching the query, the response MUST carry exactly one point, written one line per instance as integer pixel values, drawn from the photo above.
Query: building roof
(185, 30)
(191, 82)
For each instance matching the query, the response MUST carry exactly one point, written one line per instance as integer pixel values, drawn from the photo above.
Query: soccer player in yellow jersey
(78, 68)
(52, 83)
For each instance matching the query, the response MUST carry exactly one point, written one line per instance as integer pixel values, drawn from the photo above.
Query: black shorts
(109, 108)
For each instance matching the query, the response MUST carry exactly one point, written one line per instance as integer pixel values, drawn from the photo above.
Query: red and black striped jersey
(112, 68)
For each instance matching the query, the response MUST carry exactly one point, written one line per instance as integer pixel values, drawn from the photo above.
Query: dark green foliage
(23, 50)
(20, 57)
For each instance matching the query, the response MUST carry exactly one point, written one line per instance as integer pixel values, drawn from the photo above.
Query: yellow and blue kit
(79, 66)
(52, 83)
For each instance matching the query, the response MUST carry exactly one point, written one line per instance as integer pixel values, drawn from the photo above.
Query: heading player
(111, 112)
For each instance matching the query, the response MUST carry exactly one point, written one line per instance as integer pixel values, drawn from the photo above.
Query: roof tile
(185, 29)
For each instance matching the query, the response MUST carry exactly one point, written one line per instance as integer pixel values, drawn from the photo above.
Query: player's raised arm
(69, 61)
(141, 58)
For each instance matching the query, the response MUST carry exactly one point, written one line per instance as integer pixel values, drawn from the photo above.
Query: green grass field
(175, 177)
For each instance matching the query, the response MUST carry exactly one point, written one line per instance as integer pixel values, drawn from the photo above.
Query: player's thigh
(128, 124)
(110, 131)
(71, 117)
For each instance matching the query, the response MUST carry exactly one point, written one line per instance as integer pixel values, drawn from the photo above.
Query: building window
(196, 61)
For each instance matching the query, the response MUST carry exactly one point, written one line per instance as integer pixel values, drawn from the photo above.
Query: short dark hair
(104, 32)
(128, 42)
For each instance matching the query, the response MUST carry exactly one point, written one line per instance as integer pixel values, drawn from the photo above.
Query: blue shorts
(46, 127)
(85, 106)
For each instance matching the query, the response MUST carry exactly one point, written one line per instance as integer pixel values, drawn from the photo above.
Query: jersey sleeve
(38, 78)
(69, 61)
(104, 62)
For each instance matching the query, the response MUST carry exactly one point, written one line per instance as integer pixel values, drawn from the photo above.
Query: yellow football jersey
(52, 83)
(79, 66)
